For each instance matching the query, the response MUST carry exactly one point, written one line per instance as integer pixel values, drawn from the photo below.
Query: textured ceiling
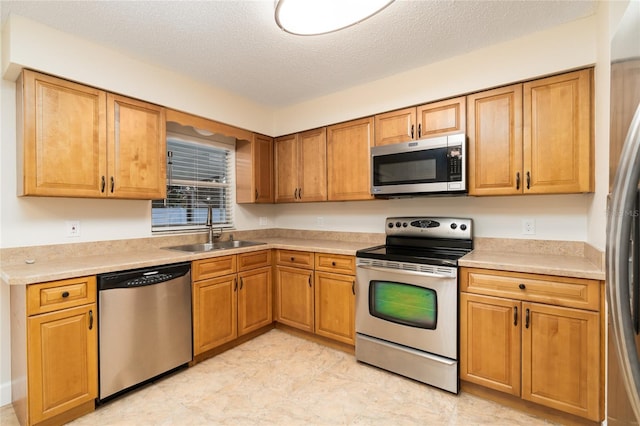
(236, 45)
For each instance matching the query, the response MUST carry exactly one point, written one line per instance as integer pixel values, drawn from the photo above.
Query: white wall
(31, 221)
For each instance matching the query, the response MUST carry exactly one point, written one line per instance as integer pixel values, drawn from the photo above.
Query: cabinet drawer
(256, 259)
(299, 259)
(213, 267)
(336, 263)
(56, 295)
(562, 291)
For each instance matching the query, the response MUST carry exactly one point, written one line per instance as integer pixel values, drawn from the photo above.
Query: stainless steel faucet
(210, 225)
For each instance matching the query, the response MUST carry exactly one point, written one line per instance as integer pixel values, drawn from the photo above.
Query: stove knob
(390, 225)
(405, 224)
(463, 227)
(398, 224)
(454, 226)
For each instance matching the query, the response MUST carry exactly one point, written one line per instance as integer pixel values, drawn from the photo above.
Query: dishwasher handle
(143, 276)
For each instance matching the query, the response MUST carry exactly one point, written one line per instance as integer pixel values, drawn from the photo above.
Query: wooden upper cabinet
(558, 147)
(136, 149)
(61, 137)
(254, 170)
(495, 141)
(429, 120)
(348, 160)
(77, 141)
(532, 138)
(301, 167)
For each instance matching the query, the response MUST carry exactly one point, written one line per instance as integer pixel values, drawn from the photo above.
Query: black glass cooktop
(431, 256)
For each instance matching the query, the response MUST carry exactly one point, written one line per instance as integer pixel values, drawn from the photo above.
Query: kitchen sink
(218, 245)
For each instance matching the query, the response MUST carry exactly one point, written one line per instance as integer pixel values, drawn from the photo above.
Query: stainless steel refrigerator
(623, 225)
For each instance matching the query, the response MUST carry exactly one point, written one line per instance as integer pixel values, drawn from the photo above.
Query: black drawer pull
(293, 258)
(65, 294)
(333, 263)
(522, 286)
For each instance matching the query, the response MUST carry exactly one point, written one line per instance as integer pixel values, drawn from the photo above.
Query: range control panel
(429, 227)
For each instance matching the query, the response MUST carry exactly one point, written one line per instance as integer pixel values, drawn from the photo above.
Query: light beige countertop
(571, 259)
(21, 273)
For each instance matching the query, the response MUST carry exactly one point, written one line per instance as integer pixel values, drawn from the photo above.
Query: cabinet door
(63, 137)
(490, 342)
(561, 358)
(442, 118)
(495, 141)
(294, 297)
(254, 300)
(335, 306)
(62, 361)
(136, 149)
(395, 127)
(214, 312)
(286, 168)
(558, 142)
(313, 165)
(254, 170)
(348, 160)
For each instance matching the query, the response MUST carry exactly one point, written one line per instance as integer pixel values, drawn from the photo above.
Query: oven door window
(426, 166)
(405, 304)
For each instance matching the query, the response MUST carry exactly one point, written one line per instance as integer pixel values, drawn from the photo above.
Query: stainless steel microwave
(427, 166)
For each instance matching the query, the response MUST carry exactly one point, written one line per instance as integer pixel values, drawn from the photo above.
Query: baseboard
(5, 393)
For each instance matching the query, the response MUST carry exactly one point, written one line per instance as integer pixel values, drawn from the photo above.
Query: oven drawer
(562, 291)
(52, 296)
(336, 263)
(296, 259)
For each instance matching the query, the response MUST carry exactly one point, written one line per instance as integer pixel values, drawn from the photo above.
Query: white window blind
(199, 175)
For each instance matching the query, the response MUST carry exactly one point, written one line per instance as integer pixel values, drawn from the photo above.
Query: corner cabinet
(536, 337)
(54, 347)
(349, 160)
(532, 138)
(254, 170)
(78, 141)
(301, 167)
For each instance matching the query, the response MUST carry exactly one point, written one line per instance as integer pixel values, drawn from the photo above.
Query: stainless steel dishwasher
(144, 325)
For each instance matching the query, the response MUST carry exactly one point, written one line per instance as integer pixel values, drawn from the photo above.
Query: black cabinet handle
(103, 184)
(293, 258)
(65, 294)
(528, 180)
(521, 286)
(91, 320)
(518, 180)
(419, 130)
(113, 183)
(515, 315)
(412, 131)
(300, 193)
(309, 280)
(256, 194)
(333, 263)
(353, 287)
(241, 283)
(526, 323)
(235, 284)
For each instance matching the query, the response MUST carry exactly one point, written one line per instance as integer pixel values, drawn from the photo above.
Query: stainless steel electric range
(407, 299)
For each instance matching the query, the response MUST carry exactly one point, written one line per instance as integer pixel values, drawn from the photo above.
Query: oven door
(414, 308)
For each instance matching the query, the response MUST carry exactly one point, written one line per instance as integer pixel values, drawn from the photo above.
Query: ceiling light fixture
(314, 17)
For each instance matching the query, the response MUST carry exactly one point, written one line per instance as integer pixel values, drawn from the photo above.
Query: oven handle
(404, 272)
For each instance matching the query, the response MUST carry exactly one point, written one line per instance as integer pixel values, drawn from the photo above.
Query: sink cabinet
(54, 360)
(232, 296)
(536, 337)
(78, 141)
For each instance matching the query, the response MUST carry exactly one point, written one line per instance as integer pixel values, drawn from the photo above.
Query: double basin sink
(218, 245)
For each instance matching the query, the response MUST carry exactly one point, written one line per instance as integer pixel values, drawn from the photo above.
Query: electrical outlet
(72, 227)
(320, 221)
(528, 226)
(263, 221)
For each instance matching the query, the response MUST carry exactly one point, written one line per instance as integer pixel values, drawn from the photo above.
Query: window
(199, 175)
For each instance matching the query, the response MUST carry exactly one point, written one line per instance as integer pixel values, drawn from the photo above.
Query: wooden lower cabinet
(547, 354)
(294, 297)
(335, 306)
(229, 304)
(54, 359)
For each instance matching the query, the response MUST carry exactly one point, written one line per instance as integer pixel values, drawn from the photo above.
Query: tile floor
(280, 379)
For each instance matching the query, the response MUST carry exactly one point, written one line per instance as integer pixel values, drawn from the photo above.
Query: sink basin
(218, 245)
